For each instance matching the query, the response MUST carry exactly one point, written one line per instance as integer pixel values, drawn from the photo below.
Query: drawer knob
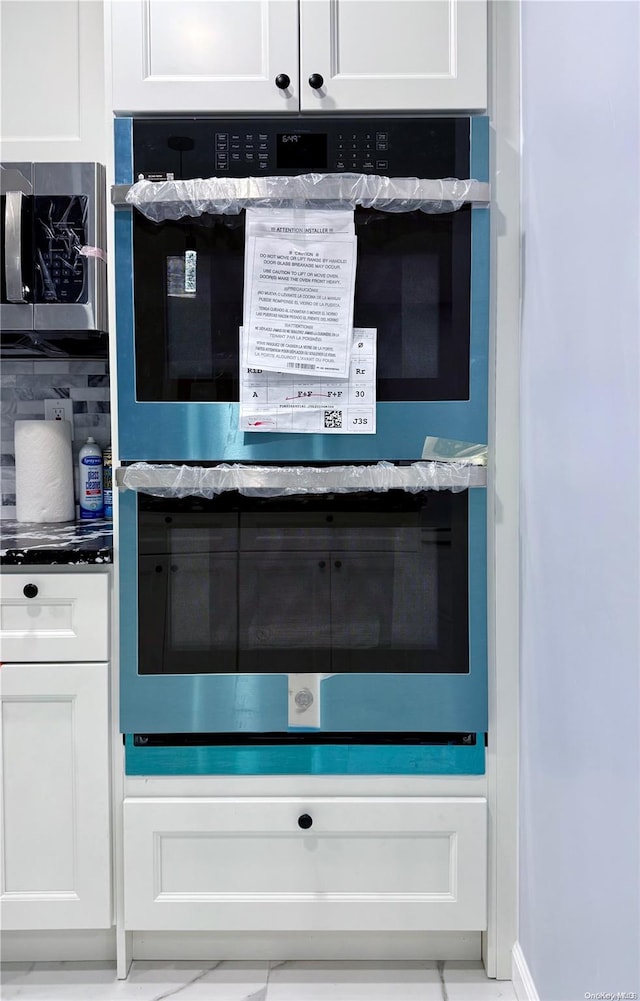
(316, 81)
(282, 81)
(305, 821)
(30, 590)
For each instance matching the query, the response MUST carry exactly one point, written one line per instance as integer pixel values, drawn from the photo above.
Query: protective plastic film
(280, 481)
(451, 450)
(163, 200)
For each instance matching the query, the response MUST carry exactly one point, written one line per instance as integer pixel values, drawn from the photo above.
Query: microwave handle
(15, 289)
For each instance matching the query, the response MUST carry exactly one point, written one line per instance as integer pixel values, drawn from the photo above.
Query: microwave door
(16, 306)
(69, 244)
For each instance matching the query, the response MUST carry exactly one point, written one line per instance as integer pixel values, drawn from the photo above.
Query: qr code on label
(333, 418)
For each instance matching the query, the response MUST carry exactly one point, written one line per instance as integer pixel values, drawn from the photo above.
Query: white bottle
(91, 502)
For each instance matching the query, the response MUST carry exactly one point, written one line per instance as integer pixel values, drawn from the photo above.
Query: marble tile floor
(253, 981)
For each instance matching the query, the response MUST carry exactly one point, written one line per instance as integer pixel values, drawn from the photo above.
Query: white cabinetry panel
(52, 75)
(224, 55)
(376, 55)
(56, 860)
(364, 864)
(67, 618)
(204, 56)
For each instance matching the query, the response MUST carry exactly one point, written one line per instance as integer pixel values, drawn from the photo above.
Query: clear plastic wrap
(171, 200)
(165, 480)
(451, 450)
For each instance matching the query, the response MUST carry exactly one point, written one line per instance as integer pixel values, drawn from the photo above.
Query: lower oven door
(319, 614)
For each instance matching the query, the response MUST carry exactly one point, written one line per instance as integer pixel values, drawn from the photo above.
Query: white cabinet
(338, 55)
(52, 81)
(204, 55)
(54, 742)
(395, 55)
(318, 864)
(55, 796)
(54, 617)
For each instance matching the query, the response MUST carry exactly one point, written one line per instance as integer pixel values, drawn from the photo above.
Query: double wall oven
(325, 608)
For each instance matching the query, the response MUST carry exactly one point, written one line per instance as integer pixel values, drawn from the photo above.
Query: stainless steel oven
(311, 607)
(421, 283)
(310, 629)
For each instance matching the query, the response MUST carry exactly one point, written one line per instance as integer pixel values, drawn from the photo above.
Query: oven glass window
(359, 582)
(412, 285)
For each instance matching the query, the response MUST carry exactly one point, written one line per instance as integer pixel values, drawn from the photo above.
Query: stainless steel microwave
(53, 280)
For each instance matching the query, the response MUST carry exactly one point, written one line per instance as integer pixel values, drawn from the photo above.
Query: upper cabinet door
(204, 55)
(52, 81)
(393, 55)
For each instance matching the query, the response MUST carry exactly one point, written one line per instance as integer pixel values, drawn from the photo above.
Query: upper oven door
(412, 286)
(421, 283)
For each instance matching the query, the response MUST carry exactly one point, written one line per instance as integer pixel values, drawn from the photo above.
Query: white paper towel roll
(44, 471)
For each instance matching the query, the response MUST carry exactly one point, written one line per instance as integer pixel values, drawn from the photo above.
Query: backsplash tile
(25, 387)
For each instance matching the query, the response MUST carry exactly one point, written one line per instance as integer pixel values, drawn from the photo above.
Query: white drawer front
(364, 864)
(54, 617)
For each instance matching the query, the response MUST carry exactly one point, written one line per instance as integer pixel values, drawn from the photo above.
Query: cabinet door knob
(305, 821)
(282, 81)
(316, 81)
(30, 590)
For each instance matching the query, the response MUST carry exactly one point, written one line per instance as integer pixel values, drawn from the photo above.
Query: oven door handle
(168, 480)
(16, 291)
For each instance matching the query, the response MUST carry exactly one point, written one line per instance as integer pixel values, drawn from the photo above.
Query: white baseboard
(521, 975)
(58, 946)
(160, 945)
(100, 946)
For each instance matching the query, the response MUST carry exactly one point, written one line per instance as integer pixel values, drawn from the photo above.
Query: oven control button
(382, 164)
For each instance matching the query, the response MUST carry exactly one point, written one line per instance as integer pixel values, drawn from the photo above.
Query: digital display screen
(301, 150)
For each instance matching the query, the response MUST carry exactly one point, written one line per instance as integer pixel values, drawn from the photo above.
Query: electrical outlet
(60, 409)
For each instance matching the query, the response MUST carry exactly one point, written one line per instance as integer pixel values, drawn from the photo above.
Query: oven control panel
(206, 147)
(364, 151)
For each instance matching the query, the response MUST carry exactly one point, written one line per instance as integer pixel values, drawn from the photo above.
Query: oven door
(421, 283)
(336, 614)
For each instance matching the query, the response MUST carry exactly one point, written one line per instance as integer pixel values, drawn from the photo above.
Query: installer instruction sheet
(300, 268)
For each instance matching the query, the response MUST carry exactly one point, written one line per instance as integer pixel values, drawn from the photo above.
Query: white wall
(580, 703)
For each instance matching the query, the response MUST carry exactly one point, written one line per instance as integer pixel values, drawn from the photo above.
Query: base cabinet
(323, 864)
(56, 864)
